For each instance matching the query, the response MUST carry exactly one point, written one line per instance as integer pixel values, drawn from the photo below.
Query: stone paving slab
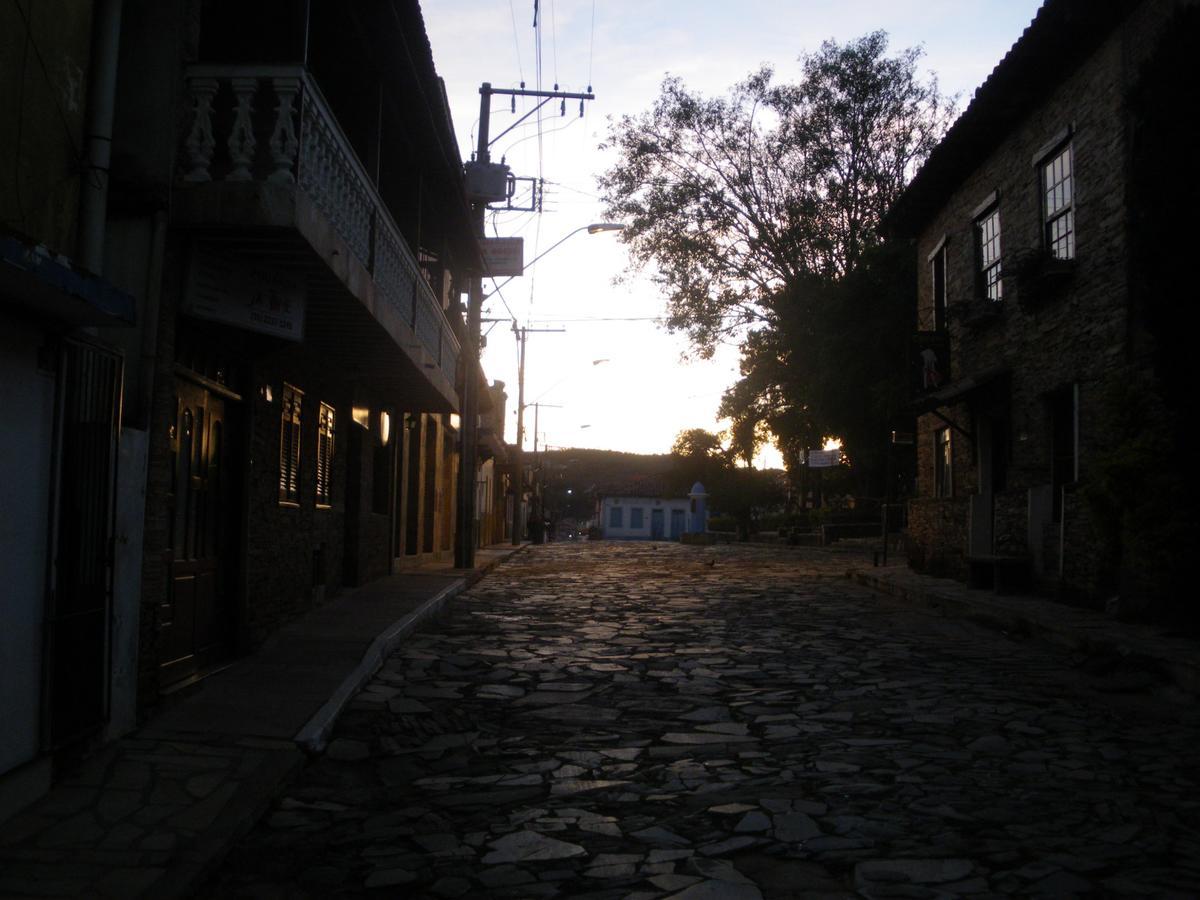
(729, 722)
(1153, 649)
(150, 815)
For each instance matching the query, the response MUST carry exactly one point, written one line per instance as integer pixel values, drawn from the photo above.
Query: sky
(606, 374)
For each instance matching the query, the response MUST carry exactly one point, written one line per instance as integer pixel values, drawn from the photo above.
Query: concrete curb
(313, 736)
(1078, 630)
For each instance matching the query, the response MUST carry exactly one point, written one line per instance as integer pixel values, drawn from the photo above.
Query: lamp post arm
(593, 228)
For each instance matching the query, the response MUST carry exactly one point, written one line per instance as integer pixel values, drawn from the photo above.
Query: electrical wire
(591, 45)
(554, 42)
(517, 41)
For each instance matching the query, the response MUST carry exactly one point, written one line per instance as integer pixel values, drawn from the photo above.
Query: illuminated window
(987, 252)
(943, 463)
(1058, 205)
(325, 431)
(289, 444)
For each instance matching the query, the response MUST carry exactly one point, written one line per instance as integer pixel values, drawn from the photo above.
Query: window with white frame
(987, 253)
(1058, 204)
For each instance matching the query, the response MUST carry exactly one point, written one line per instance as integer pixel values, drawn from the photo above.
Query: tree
(696, 455)
(836, 365)
(738, 491)
(748, 207)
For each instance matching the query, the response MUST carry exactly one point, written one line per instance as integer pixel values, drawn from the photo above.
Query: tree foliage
(736, 202)
(755, 210)
(835, 364)
(738, 491)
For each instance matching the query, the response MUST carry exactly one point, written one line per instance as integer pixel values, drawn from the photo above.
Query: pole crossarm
(487, 91)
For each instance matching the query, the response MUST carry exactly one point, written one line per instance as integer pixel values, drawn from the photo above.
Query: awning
(50, 287)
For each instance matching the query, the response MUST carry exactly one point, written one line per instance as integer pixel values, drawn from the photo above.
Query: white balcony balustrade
(271, 125)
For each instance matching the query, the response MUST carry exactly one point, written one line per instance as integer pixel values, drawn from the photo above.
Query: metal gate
(79, 597)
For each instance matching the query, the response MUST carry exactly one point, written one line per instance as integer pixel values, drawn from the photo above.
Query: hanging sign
(255, 298)
(503, 256)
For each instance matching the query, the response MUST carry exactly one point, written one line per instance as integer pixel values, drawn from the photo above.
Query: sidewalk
(151, 813)
(1146, 648)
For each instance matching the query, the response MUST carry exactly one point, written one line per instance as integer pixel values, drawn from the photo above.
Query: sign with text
(824, 459)
(503, 256)
(252, 297)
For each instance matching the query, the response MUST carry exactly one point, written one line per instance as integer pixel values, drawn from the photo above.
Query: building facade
(1038, 335)
(231, 351)
(640, 510)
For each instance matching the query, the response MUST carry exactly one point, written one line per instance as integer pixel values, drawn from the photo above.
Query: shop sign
(251, 297)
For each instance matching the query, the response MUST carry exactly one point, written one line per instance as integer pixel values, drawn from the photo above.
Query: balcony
(268, 174)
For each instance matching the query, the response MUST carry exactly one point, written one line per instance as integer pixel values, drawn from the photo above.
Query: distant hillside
(583, 469)
(571, 476)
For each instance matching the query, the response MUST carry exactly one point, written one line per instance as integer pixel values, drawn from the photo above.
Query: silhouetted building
(1051, 240)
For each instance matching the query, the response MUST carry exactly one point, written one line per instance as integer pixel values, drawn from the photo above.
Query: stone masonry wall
(292, 549)
(1048, 339)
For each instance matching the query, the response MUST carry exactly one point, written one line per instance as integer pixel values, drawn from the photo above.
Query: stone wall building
(1038, 334)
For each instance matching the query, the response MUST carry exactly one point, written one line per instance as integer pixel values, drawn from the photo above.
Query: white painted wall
(27, 408)
(627, 531)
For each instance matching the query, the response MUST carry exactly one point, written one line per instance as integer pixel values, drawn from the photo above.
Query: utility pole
(519, 461)
(464, 545)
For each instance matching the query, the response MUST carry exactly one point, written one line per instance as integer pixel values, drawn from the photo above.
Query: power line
(604, 319)
(517, 41)
(591, 45)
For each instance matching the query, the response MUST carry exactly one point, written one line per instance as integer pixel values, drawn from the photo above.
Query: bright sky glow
(650, 387)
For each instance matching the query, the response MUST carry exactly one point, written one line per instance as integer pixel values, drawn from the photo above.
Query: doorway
(656, 525)
(676, 524)
(196, 618)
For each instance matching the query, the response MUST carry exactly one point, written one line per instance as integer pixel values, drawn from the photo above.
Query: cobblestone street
(650, 721)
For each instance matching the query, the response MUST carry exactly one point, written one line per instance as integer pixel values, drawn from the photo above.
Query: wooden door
(676, 524)
(656, 525)
(195, 620)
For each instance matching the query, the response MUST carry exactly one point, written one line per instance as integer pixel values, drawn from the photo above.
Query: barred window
(325, 431)
(289, 445)
(1058, 204)
(987, 251)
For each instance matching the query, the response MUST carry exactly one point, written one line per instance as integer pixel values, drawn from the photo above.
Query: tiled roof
(1060, 37)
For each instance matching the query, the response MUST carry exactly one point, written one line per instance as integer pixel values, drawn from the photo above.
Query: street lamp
(594, 228)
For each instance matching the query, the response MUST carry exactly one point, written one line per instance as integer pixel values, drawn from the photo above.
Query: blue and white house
(639, 511)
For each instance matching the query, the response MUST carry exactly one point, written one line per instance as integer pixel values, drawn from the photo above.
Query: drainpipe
(97, 151)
